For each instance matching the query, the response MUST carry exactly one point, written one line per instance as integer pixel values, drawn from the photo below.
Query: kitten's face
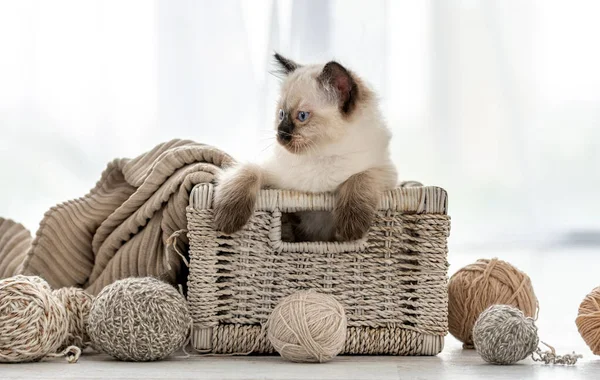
(316, 104)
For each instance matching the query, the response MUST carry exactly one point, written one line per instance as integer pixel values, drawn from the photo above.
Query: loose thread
(71, 354)
(187, 343)
(190, 331)
(172, 243)
(550, 357)
(537, 310)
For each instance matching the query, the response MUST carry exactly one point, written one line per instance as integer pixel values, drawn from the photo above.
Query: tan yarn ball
(308, 327)
(477, 286)
(33, 322)
(77, 303)
(588, 320)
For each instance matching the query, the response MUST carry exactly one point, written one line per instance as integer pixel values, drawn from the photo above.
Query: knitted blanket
(125, 226)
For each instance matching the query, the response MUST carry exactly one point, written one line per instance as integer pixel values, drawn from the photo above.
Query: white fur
(365, 145)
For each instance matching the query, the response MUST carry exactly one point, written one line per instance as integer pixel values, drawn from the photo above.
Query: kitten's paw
(232, 214)
(235, 197)
(356, 205)
(352, 222)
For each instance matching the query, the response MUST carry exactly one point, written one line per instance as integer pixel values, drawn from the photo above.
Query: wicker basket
(392, 283)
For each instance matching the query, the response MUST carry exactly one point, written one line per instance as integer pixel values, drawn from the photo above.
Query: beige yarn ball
(477, 286)
(308, 327)
(588, 320)
(33, 322)
(77, 303)
(139, 319)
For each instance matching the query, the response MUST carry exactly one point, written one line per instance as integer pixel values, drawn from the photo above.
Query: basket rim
(412, 199)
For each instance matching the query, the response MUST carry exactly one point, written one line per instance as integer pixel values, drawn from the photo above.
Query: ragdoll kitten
(331, 138)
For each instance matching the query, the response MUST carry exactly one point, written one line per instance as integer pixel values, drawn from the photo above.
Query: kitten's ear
(285, 65)
(337, 78)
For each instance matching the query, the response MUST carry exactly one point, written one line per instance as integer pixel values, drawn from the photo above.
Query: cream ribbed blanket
(121, 228)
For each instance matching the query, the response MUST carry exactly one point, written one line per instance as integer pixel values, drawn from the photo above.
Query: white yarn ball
(308, 327)
(33, 322)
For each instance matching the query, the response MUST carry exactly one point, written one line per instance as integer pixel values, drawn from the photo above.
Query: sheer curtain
(498, 102)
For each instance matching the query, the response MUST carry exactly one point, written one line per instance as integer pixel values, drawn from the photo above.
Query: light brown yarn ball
(33, 322)
(77, 303)
(477, 286)
(308, 327)
(139, 319)
(588, 320)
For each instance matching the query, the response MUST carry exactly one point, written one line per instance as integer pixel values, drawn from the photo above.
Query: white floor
(561, 279)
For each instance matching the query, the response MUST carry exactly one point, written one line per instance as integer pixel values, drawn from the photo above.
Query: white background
(496, 101)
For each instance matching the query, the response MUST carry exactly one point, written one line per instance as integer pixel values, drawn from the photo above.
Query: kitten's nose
(285, 129)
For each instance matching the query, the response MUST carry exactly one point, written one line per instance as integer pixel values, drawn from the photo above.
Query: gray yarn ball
(503, 335)
(139, 319)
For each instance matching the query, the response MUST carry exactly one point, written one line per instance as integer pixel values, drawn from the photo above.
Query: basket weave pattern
(392, 283)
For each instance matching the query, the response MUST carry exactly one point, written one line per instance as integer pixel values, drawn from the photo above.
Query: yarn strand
(550, 357)
(71, 354)
(172, 246)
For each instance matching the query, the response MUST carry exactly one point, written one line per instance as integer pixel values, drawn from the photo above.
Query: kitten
(331, 138)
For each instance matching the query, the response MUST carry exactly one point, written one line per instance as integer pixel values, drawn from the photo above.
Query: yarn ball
(588, 320)
(308, 327)
(504, 335)
(139, 319)
(77, 303)
(33, 322)
(477, 286)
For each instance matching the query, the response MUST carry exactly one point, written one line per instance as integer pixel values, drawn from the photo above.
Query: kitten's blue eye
(280, 115)
(302, 115)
